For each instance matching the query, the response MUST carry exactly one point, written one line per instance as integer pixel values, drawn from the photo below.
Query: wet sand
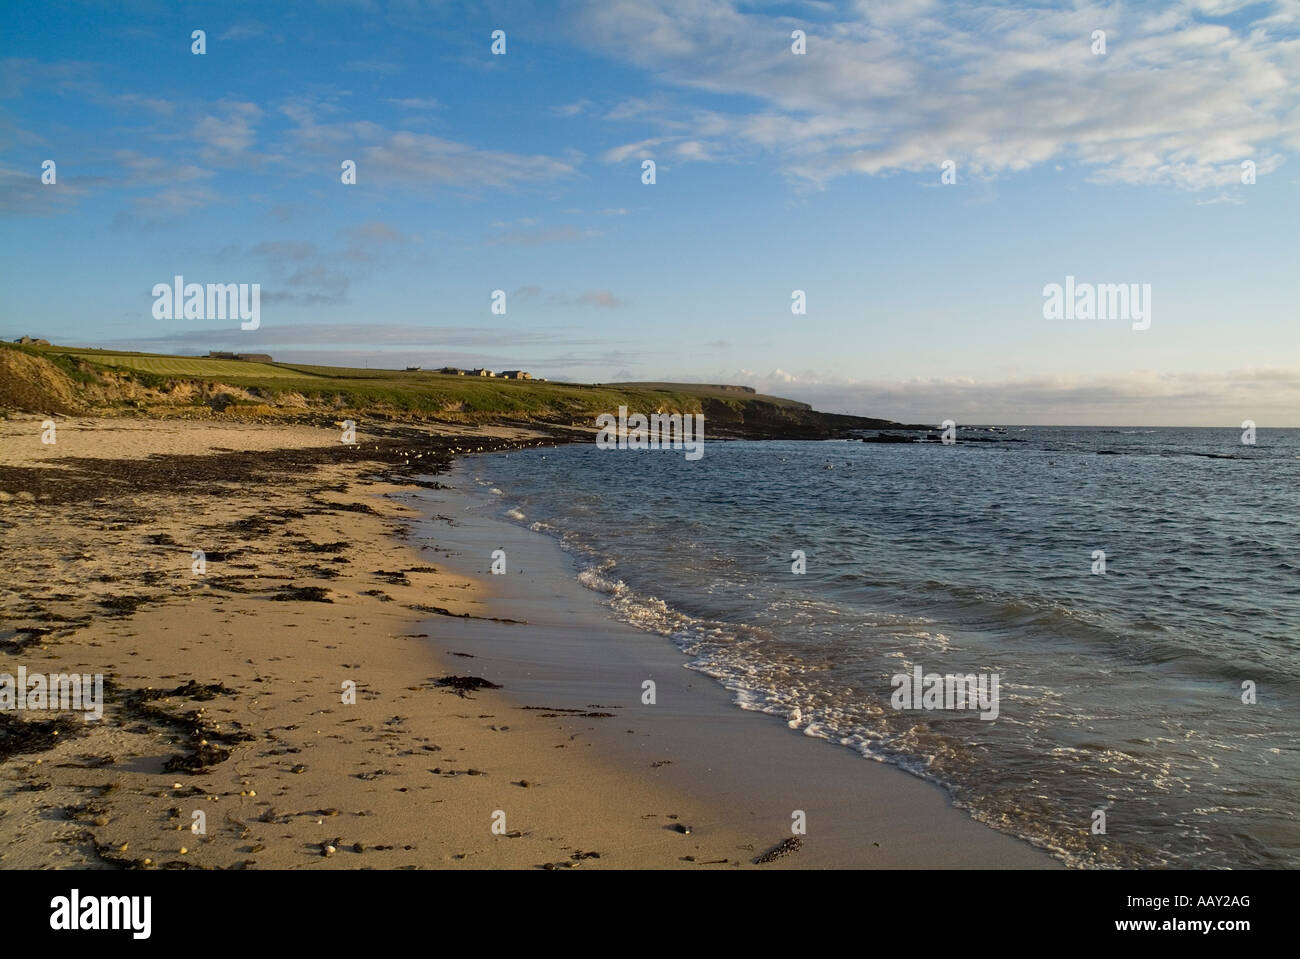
(226, 690)
(751, 769)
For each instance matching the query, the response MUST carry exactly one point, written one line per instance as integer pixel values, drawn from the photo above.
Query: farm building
(516, 375)
(246, 357)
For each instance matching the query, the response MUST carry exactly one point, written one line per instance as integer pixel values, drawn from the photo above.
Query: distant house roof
(246, 357)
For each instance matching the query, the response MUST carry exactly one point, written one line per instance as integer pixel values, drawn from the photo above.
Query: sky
(775, 171)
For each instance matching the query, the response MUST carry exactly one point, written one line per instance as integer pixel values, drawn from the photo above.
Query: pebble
(327, 850)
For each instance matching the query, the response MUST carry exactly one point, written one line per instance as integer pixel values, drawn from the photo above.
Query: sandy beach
(228, 705)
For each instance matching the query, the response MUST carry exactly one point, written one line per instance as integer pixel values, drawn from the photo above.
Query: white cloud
(600, 298)
(385, 156)
(226, 138)
(1177, 99)
(165, 207)
(571, 109)
(641, 149)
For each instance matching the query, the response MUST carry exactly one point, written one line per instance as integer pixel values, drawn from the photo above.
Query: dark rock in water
(465, 684)
(780, 851)
(887, 438)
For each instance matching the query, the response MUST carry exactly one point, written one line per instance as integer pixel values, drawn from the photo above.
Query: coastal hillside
(65, 380)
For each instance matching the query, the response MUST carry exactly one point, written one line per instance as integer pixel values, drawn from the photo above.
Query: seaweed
(463, 685)
(19, 736)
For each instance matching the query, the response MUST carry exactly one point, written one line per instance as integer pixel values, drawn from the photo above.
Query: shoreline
(751, 769)
(325, 566)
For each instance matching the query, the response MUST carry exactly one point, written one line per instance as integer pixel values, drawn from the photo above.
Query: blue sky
(775, 172)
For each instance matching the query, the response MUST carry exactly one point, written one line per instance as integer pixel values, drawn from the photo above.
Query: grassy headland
(64, 379)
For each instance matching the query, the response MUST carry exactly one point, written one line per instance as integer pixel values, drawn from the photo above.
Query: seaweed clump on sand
(780, 851)
(34, 735)
(463, 685)
(204, 736)
(123, 605)
(306, 594)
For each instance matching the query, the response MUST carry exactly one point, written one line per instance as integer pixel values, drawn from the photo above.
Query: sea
(1136, 592)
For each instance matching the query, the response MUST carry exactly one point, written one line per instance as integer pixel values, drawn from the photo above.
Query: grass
(400, 390)
(189, 384)
(724, 393)
(182, 367)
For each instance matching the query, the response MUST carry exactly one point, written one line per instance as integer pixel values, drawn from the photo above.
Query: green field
(416, 392)
(715, 392)
(178, 366)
